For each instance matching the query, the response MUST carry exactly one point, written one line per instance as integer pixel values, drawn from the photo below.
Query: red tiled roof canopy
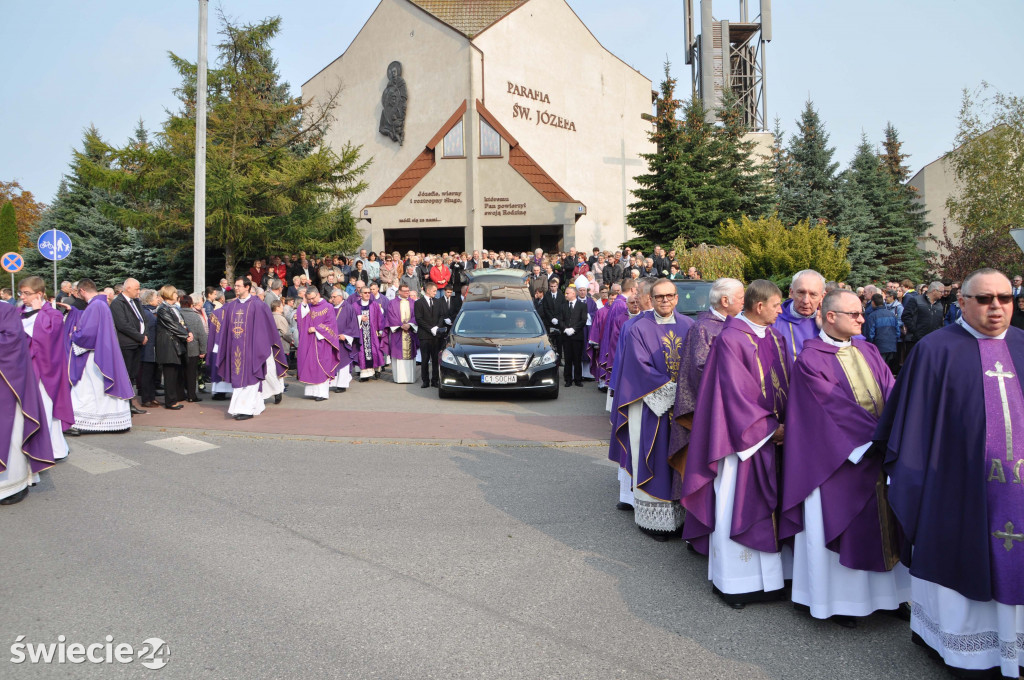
(407, 180)
(468, 17)
(538, 179)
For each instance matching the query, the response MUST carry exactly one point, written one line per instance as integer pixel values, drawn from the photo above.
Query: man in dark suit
(574, 320)
(131, 331)
(429, 329)
(450, 305)
(550, 314)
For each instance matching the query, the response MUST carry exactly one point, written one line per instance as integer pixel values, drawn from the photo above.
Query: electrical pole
(199, 217)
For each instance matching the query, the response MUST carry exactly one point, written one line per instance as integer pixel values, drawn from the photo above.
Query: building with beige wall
(520, 129)
(935, 183)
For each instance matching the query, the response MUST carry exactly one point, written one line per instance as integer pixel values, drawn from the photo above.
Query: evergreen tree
(806, 188)
(746, 176)
(102, 249)
(8, 229)
(856, 222)
(652, 216)
(271, 182)
(906, 259)
(700, 175)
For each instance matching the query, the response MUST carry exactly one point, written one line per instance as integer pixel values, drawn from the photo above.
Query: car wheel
(442, 393)
(553, 394)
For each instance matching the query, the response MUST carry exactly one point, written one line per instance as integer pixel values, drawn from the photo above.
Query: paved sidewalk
(381, 409)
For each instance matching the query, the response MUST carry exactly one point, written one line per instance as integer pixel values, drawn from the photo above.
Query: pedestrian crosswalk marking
(183, 445)
(97, 461)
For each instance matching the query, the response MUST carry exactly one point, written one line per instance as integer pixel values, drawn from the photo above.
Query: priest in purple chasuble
(730, 483)
(347, 326)
(45, 328)
(372, 354)
(25, 448)
(401, 322)
(797, 320)
(319, 349)
(618, 449)
(617, 316)
(726, 299)
(249, 353)
(834, 502)
(645, 393)
(953, 431)
(100, 388)
(220, 385)
(589, 367)
(594, 346)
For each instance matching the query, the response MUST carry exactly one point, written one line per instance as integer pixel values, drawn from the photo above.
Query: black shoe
(72, 432)
(376, 376)
(16, 498)
(341, 390)
(243, 416)
(220, 396)
(174, 407)
(568, 384)
(136, 411)
(579, 384)
(843, 620)
(623, 506)
(277, 398)
(425, 386)
(319, 398)
(902, 612)
(364, 379)
(195, 400)
(433, 383)
(602, 388)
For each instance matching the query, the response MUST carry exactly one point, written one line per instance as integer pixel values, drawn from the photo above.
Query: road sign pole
(55, 264)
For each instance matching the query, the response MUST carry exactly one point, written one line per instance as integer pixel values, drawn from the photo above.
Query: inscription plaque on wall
(538, 115)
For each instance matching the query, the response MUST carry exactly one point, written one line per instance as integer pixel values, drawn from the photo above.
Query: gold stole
(862, 381)
(404, 312)
(868, 394)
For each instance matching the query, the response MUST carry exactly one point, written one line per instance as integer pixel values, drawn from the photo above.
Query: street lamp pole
(199, 217)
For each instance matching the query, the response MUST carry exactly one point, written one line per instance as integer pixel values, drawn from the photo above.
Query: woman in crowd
(172, 338)
(196, 348)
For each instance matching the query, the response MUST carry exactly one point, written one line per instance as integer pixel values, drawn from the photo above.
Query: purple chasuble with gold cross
(953, 433)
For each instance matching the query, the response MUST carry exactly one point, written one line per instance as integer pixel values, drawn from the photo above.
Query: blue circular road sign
(12, 262)
(54, 244)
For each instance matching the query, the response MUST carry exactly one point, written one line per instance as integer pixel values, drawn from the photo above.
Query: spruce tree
(271, 182)
(807, 186)
(652, 215)
(744, 175)
(906, 260)
(8, 229)
(102, 249)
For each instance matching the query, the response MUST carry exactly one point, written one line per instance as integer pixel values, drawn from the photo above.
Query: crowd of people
(851, 450)
(772, 436)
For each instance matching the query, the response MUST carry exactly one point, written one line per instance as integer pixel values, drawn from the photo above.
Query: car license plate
(498, 379)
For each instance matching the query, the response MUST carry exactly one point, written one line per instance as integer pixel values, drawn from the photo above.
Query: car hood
(490, 343)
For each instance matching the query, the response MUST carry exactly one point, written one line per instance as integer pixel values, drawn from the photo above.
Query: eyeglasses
(853, 315)
(986, 300)
(666, 297)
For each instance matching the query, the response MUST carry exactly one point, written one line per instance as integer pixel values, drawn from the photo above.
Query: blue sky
(70, 64)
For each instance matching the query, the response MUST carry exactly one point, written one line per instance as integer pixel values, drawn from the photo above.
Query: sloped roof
(518, 159)
(468, 17)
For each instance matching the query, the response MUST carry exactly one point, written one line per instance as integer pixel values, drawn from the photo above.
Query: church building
(499, 124)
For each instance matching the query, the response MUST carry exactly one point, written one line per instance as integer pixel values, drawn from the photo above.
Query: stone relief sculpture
(394, 99)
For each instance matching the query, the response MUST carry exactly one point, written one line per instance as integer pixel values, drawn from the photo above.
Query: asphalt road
(286, 556)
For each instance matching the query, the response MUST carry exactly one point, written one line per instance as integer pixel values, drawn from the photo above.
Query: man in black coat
(574, 320)
(429, 329)
(550, 314)
(131, 332)
(450, 305)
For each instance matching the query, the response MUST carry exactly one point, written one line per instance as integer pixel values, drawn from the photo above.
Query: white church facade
(498, 124)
